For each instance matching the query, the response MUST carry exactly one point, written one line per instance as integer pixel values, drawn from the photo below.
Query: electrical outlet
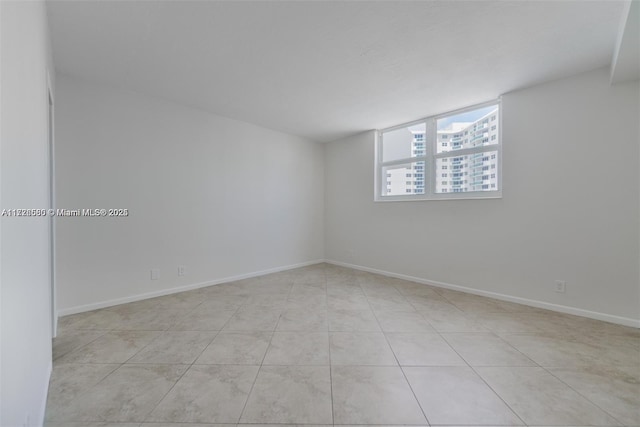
(155, 273)
(182, 270)
(561, 286)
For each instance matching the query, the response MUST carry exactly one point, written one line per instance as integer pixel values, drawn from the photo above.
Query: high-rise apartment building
(453, 174)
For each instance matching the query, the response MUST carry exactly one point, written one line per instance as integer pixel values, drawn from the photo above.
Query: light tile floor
(326, 345)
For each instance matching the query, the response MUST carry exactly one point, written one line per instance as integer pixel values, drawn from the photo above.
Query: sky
(469, 116)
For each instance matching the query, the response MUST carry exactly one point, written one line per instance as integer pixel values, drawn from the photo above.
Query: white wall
(569, 209)
(223, 197)
(25, 319)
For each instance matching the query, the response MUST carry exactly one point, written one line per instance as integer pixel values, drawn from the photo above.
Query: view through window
(442, 156)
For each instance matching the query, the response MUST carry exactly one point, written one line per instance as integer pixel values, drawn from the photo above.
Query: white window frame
(431, 157)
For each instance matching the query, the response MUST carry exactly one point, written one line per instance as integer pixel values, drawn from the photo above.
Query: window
(458, 141)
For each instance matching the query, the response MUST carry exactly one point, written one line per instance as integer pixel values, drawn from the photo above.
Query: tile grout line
(188, 367)
(474, 371)
(480, 376)
(183, 374)
(580, 394)
(404, 375)
(244, 407)
(361, 282)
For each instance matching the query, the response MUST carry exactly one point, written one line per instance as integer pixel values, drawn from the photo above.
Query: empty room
(319, 213)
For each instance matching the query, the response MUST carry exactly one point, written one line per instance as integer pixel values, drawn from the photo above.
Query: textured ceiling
(325, 70)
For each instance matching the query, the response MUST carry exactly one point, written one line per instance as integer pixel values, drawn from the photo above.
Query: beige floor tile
(353, 320)
(485, 349)
(298, 348)
(147, 318)
(290, 395)
(207, 394)
(614, 389)
(303, 319)
(373, 395)
(452, 320)
(614, 350)
(423, 349)
(384, 425)
(221, 302)
(340, 290)
(299, 321)
(552, 351)
(584, 325)
(69, 381)
(457, 395)
(182, 347)
(472, 304)
(250, 318)
(91, 424)
(348, 302)
(412, 321)
(184, 301)
(71, 340)
(284, 425)
(309, 302)
(541, 399)
(508, 323)
(431, 303)
(548, 322)
(309, 289)
(393, 304)
(259, 302)
(185, 425)
(381, 290)
(126, 395)
(360, 348)
(112, 347)
(92, 320)
(412, 289)
(204, 318)
(309, 277)
(224, 289)
(236, 348)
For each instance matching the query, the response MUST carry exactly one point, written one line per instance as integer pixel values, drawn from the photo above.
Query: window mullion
(466, 151)
(403, 161)
(431, 133)
(425, 141)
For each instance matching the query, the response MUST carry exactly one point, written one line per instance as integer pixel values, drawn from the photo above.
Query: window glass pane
(471, 172)
(404, 179)
(473, 128)
(404, 143)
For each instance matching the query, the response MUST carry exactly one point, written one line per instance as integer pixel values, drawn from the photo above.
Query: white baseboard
(133, 298)
(626, 321)
(525, 301)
